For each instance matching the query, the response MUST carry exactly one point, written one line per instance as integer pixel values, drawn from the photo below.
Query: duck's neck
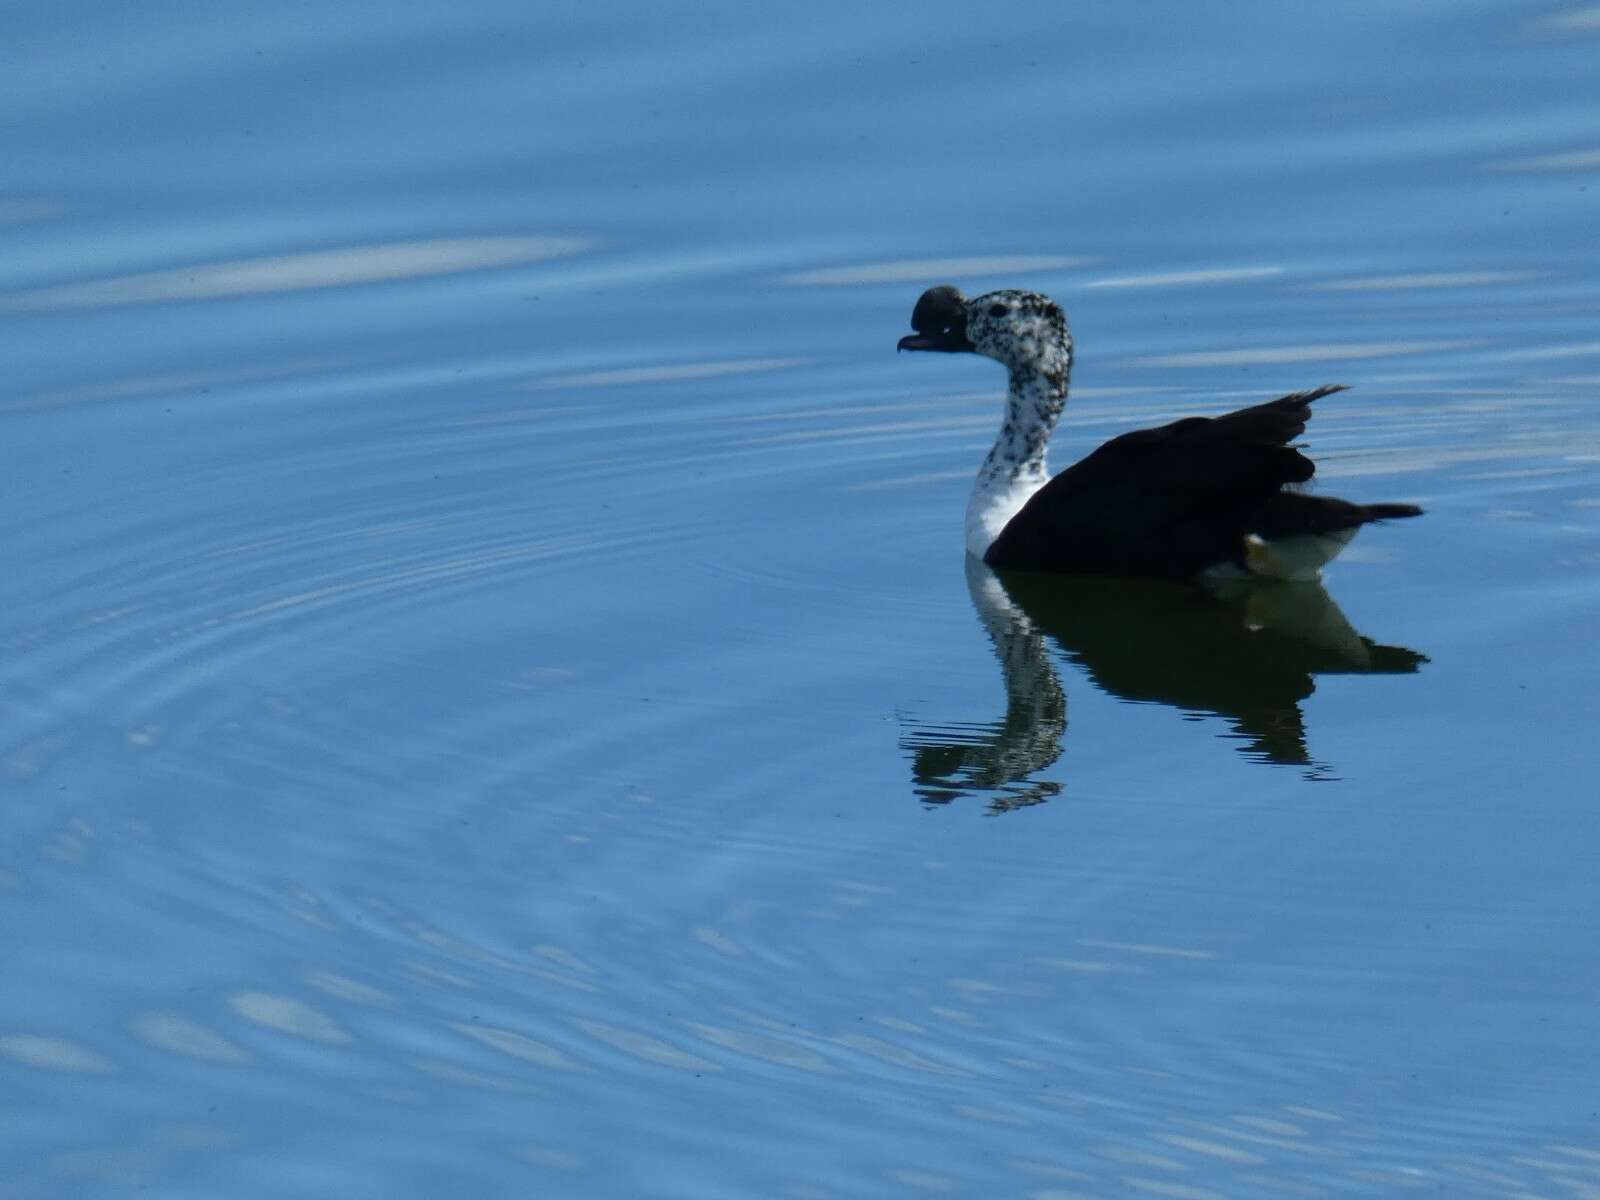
(1015, 467)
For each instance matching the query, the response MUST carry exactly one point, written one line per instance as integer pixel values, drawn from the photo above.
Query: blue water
(494, 703)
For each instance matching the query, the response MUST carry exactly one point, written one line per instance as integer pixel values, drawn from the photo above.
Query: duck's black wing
(1174, 500)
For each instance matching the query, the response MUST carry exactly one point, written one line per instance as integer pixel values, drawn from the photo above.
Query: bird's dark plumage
(1178, 499)
(1191, 496)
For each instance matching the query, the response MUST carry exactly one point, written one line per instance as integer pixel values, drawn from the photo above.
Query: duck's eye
(998, 310)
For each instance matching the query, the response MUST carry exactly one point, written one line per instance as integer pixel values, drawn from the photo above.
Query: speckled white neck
(1015, 467)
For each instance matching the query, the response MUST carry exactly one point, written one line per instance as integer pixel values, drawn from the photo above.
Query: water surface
(495, 703)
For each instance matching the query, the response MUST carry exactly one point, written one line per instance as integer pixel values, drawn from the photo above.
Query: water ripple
(342, 267)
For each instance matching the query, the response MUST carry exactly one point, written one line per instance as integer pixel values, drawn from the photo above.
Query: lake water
(494, 702)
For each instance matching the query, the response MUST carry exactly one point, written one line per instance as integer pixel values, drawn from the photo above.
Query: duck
(1207, 498)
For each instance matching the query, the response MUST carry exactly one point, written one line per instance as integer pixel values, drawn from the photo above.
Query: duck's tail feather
(1389, 512)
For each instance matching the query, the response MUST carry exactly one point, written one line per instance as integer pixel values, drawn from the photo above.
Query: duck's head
(1020, 329)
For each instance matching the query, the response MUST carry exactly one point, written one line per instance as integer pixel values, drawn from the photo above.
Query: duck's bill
(940, 321)
(950, 341)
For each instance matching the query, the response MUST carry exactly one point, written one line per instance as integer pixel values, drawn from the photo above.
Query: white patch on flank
(1297, 559)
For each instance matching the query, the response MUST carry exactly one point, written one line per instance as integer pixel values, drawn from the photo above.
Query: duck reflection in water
(1247, 652)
